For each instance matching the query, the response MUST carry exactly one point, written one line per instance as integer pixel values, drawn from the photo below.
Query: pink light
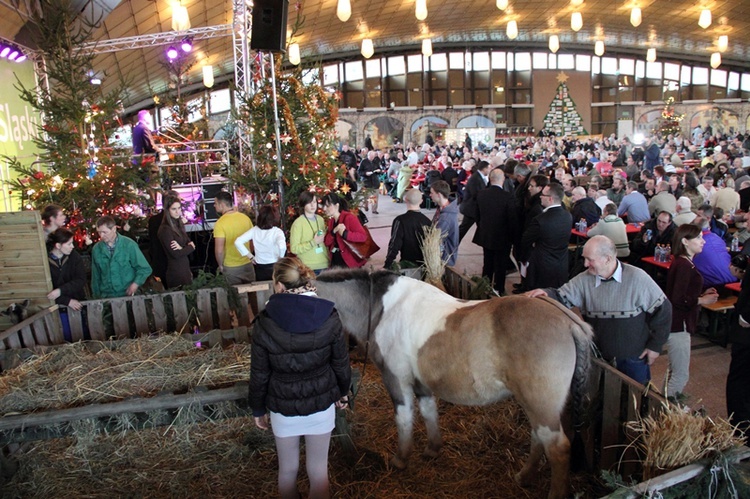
(21, 58)
(5, 52)
(186, 46)
(172, 53)
(12, 56)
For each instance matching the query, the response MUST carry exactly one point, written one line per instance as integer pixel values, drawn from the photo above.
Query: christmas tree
(309, 159)
(670, 121)
(563, 118)
(82, 174)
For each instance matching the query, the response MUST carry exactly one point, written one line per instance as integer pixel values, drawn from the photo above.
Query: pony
(429, 344)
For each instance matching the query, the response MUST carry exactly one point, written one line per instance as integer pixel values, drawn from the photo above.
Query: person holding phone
(307, 235)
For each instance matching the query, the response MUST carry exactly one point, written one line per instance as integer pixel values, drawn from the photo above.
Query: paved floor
(709, 362)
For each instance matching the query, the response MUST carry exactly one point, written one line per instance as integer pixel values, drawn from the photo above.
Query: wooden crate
(24, 273)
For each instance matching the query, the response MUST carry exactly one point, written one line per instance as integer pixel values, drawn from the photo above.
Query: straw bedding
(85, 373)
(212, 457)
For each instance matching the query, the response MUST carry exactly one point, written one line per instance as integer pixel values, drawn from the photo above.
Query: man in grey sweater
(630, 314)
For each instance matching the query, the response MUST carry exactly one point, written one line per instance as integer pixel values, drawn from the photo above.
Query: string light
(576, 21)
(427, 47)
(344, 10)
(512, 30)
(704, 21)
(554, 43)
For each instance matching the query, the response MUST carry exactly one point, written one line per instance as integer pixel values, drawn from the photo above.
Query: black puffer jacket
(300, 362)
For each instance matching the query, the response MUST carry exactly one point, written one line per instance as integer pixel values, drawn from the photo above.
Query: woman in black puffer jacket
(299, 372)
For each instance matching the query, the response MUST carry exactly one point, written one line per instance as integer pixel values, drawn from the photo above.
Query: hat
(717, 149)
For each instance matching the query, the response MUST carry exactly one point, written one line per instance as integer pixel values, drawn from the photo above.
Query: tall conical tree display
(670, 121)
(81, 172)
(563, 117)
(307, 115)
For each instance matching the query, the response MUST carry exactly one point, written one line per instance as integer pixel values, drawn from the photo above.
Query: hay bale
(85, 373)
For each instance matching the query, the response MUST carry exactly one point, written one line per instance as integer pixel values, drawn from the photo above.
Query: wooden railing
(134, 316)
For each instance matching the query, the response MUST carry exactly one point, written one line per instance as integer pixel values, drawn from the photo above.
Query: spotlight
(5, 52)
(21, 58)
(172, 53)
(187, 45)
(13, 54)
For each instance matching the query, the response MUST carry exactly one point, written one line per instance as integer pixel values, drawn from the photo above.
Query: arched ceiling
(671, 26)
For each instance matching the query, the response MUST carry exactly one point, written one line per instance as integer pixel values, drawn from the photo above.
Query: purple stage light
(172, 53)
(12, 56)
(5, 52)
(21, 58)
(186, 45)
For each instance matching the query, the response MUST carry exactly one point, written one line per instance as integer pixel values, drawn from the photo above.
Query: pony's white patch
(428, 408)
(405, 417)
(423, 310)
(548, 436)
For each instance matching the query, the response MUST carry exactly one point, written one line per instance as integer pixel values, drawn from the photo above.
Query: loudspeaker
(209, 191)
(269, 25)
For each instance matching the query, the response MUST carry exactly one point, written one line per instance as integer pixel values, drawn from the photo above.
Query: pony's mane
(342, 275)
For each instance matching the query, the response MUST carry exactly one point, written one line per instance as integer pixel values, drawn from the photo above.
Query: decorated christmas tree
(670, 121)
(307, 116)
(80, 172)
(563, 118)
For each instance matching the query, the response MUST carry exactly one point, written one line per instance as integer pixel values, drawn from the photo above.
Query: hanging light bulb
(427, 47)
(208, 76)
(502, 4)
(421, 10)
(715, 60)
(344, 10)
(651, 55)
(576, 3)
(554, 43)
(367, 48)
(723, 43)
(512, 30)
(293, 53)
(576, 21)
(635, 17)
(599, 48)
(704, 21)
(180, 18)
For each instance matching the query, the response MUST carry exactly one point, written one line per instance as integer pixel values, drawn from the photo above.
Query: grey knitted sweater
(627, 316)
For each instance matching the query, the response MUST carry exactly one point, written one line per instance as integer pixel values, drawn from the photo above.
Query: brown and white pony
(430, 344)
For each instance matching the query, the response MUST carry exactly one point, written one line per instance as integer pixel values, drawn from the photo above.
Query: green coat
(111, 275)
(404, 180)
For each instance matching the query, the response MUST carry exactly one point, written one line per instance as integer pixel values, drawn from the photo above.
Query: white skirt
(318, 423)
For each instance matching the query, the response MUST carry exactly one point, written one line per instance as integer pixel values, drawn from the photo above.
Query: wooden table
(652, 261)
(733, 286)
(719, 315)
(630, 230)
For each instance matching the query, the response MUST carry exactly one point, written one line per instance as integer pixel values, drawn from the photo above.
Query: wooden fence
(133, 316)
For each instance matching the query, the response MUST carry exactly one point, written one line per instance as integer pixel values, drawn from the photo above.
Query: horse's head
(358, 295)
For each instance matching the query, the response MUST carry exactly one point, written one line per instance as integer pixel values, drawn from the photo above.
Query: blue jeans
(636, 368)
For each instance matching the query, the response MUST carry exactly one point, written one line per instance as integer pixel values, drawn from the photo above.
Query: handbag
(365, 249)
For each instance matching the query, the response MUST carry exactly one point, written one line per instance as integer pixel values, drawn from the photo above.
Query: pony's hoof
(398, 463)
(431, 453)
(523, 479)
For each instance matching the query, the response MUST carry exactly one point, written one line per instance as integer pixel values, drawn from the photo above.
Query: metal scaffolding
(241, 30)
(156, 39)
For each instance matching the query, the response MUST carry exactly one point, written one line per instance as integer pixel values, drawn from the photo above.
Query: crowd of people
(527, 198)
(680, 194)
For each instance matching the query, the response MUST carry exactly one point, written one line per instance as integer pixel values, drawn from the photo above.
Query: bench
(719, 319)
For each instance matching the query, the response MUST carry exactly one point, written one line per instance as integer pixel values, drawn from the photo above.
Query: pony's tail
(583, 336)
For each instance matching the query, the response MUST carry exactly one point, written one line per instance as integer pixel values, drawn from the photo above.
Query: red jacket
(354, 232)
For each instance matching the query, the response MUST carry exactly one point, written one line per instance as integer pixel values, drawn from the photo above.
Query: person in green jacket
(404, 179)
(118, 268)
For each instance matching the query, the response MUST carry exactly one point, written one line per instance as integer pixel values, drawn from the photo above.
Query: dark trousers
(493, 267)
(466, 224)
(738, 387)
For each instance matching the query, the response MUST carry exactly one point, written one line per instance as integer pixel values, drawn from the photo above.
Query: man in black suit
(369, 171)
(497, 224)
(544, 244)
(468, 206)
